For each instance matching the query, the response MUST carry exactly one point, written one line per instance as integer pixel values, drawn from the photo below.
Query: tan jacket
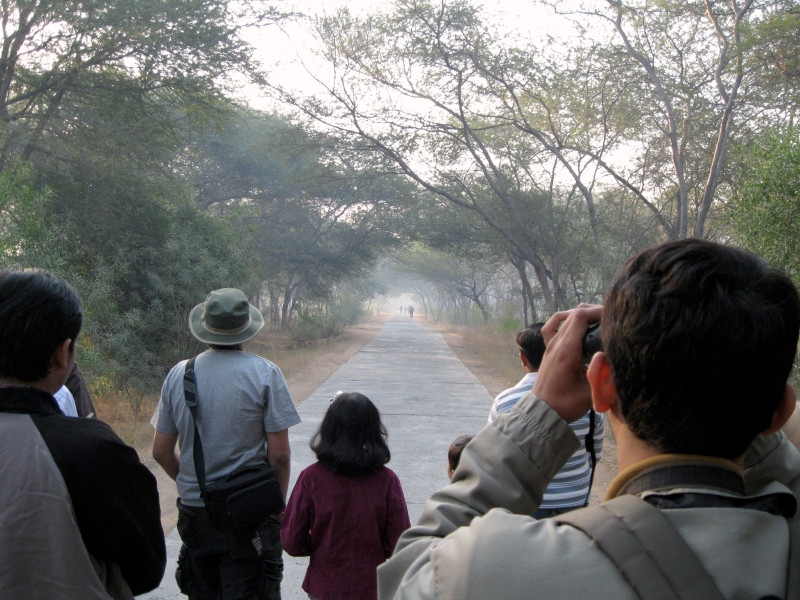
(464, 547)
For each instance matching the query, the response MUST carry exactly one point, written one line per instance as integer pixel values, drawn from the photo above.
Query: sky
(284, 49)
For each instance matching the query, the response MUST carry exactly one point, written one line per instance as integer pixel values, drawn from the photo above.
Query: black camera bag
(244, 498)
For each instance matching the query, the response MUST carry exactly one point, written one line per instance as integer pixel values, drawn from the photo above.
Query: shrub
(311, 327)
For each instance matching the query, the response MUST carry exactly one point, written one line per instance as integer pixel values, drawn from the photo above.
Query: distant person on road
(79, 513)
(411, 311)
(571, 487)
(347, 510)
(244, 412)
(454, 453)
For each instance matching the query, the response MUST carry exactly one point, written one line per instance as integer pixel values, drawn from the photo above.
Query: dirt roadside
(303, 383)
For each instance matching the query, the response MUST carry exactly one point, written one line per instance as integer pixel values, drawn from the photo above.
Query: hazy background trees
(496, 174)
(576, 150)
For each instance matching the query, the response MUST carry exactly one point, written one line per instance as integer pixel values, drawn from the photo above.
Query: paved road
(427, 398)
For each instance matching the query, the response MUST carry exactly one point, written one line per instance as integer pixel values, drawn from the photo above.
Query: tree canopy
(502, 174)
(766, 214)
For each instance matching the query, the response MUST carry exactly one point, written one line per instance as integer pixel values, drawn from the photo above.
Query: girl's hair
(351, 439)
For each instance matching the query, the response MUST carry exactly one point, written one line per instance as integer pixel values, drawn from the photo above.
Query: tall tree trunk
(289, 295)
(528, 308)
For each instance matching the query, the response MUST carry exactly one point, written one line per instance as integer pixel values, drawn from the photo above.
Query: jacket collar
(687, 481)
(667, 471)
(27, 400)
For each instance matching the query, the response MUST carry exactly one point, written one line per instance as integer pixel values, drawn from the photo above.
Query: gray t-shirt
(240, 397)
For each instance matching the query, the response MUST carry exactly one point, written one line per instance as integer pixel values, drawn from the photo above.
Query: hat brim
(199, 331)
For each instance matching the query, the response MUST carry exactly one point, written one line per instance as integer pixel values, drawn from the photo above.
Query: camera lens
(591, 342)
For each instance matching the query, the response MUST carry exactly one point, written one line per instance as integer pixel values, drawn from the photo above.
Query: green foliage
(30, 232)
(67, 52)
(136, 294)
(99, 98)
(771, 44)
(311, 212)
(509, 325)
(328, 319)
(315, 326)
(348, 311)
(766, 217)
(145, 189)
(125, 170)
(34, 235)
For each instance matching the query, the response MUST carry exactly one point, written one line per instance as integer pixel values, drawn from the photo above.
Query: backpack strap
(646, 548)
(190, 396)
(588, 442)
(793, 574)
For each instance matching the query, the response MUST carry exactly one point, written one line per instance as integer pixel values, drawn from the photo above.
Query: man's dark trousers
(213, 566)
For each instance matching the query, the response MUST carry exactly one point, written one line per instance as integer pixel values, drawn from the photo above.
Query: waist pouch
(243, 499)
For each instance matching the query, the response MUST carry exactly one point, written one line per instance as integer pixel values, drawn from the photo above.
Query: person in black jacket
(77, 387)
(80, 513)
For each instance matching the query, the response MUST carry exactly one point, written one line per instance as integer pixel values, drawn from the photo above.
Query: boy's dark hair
(38, 311)
(351, 439)
(454, 453)
(531, 344)
(701, 339)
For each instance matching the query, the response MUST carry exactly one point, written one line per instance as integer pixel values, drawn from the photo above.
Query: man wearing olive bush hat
(244, 411)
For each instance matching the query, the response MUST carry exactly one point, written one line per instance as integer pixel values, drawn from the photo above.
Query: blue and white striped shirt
(570, 486)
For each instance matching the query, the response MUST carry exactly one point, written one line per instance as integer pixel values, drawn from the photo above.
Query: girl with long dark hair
(347, 510)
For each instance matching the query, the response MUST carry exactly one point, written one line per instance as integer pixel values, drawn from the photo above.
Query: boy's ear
(601, 380)
(783, 412)
(61, 355)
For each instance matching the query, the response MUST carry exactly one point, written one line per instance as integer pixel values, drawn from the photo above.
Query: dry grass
(496, 351)
(280, 349)
(488, 352)
(128, 416)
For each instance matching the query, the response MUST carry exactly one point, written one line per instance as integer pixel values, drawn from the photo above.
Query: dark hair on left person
(38, 311)
(351, 439)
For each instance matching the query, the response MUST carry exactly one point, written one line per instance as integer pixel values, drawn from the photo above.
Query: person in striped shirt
(571, 486)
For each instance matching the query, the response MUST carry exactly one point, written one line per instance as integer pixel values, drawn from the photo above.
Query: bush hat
(226, 318)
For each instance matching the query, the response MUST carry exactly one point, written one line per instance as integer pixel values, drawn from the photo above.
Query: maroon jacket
(347, 525)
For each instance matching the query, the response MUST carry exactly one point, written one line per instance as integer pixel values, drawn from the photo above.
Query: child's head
(454, 453)
(351, 439)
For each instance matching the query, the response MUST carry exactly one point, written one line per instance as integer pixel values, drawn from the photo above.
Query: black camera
(591, 342)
